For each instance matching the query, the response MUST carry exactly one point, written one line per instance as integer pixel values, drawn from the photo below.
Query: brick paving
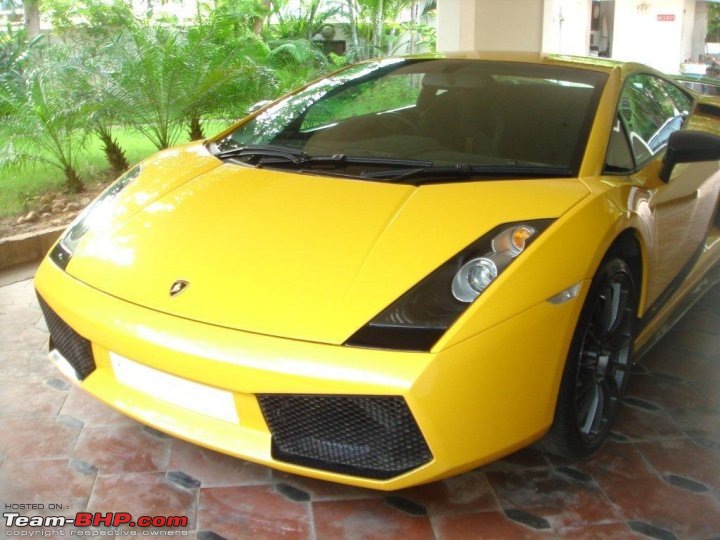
(657, 477)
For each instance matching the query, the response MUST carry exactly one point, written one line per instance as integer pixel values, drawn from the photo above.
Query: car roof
(582, 62)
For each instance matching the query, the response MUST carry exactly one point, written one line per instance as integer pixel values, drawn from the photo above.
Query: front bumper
(470, 404)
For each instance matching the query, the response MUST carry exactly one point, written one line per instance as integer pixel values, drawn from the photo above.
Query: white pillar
(490, 25)
(699, 31)
(456, 25)
(509, 26)
(687, 31)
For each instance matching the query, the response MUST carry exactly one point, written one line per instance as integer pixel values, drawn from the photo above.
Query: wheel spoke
(611, 387)
(584, 388)
(603, 361)
(611, 306)
(613, 309)
(620, 368)
(591, 410)
(586, 401)
(588, 360)
(592, 334)
(620, 340)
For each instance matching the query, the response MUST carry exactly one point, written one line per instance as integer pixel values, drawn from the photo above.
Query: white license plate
(176, 390)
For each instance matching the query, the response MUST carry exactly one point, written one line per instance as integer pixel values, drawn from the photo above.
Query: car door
(650, 110)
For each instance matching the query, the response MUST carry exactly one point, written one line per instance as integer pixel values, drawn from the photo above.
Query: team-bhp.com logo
(97, 519)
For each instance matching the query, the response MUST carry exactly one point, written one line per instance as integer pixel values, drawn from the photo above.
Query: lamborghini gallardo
(401, 271)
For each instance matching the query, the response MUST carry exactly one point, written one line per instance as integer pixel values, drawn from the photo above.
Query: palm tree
(295, 62)
(369, 29)
(46, 125)
(237, 16)
(141, 81)
(86, 77)
(31, 9)
(15, 53)
(160, 79)
(304, 21)
(219, 77)
(366, 23)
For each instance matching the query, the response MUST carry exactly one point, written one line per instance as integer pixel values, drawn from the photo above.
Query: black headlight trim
(394, 329)
(398, 338)
(60, 256)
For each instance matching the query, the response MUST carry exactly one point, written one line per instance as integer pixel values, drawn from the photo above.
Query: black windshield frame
(303, 100)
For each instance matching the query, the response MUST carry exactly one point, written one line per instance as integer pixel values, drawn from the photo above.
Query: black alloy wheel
(597, 368)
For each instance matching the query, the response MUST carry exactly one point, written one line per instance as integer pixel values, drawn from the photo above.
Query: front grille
(75, 348)
(368, 436)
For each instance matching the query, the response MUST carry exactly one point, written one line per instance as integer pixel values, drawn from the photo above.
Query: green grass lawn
(17, 188)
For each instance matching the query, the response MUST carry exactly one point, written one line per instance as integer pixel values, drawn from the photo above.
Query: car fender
(568, 252)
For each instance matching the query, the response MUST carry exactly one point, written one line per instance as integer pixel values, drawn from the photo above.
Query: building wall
(640, 36)
(661, 33)
(639, 30)
(567, 26)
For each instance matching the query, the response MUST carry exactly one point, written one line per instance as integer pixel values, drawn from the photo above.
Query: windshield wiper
(400, 170)
(259, 151)
(282, 156)
(437, 175)
(341, 160)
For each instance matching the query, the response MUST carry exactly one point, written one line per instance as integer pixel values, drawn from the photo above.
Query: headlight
(88, 218)
(417, 319)
(475, 275)
(473, 278)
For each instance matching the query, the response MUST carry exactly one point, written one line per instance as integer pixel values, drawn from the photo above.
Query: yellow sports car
(401, 271)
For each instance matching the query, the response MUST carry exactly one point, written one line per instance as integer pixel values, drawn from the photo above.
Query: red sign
(665, 18)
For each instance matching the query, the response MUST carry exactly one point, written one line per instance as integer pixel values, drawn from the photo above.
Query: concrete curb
(27, 247)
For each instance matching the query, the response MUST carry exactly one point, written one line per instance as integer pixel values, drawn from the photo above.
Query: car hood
(285, 254)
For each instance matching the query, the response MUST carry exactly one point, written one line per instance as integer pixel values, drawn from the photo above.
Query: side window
(682, 101)
(650, 115)
(374, 96)
(619, 157)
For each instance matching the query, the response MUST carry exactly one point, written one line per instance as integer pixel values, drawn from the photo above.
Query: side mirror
(689, 146)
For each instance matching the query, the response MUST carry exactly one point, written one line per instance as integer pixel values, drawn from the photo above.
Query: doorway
(602, 20)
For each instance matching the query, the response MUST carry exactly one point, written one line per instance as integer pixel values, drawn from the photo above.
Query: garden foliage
(105, 67)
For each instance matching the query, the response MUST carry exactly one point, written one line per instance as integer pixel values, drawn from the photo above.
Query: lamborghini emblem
(179, 286)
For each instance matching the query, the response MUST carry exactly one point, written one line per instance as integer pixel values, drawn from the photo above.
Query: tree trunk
(196, 130)
(114, 154)
(73, 183)
(413, 24)
(312, 10)
(378, 28)
(260, 21)
(353, 27)
(32, 17)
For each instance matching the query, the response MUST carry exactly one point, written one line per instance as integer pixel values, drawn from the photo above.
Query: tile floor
(658, 476)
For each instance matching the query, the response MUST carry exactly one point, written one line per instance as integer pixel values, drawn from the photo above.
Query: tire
(598, 364)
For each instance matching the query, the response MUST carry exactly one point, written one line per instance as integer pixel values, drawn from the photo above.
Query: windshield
(474, 117)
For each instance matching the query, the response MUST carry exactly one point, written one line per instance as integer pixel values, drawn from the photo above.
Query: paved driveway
(658, 477)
